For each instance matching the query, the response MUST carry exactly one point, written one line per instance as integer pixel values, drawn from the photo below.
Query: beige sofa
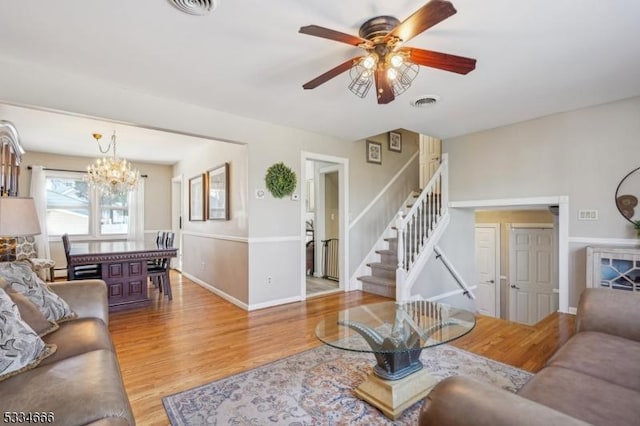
(80, 384)
(593, 379)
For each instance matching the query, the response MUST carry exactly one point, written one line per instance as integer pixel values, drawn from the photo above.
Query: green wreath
(280, 180)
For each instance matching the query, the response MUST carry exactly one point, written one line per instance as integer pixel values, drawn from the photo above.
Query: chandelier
(110, 174)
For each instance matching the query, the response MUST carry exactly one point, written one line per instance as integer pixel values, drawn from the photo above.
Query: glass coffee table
(395, 333)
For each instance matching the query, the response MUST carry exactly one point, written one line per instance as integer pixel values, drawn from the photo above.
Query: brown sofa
(593, 379)
(80, 384)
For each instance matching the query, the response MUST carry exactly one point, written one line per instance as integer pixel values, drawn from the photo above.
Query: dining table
(123, 266)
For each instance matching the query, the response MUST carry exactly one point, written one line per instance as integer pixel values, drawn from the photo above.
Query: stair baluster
(417, 232)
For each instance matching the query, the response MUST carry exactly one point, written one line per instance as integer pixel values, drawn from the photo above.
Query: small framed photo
(374, 152)
(218, 193)
(395, 141)
(196, 198)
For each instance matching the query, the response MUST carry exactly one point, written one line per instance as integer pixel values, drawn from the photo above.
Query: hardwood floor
(198, 337)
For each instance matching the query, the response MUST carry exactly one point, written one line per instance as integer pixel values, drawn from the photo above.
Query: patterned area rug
(316, 388)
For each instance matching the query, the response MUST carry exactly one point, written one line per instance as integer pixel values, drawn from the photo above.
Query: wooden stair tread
(385, 251)
(387, 266)
(377, 280)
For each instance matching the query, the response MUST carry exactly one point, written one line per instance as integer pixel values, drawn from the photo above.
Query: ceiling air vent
(195, 7)
(425, 101)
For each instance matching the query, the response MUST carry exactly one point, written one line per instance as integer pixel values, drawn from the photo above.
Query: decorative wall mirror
(627, 194)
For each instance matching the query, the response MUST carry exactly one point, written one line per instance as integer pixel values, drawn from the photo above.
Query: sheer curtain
(136, 212)
(38, 192)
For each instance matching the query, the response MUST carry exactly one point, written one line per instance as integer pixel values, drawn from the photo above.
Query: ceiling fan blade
(424, 18)
(384, 91)
(317, 31)
(333, 72)
(443, 61)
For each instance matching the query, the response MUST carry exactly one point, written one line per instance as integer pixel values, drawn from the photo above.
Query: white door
(430, 153)
(531, 275)
(487, 254)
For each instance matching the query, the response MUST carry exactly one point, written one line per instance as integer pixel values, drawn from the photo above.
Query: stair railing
(417, 227)
(454, 273)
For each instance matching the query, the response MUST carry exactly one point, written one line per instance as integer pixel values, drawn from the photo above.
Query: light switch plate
(587, 214)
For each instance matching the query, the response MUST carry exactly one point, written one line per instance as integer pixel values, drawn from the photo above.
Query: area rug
(316, 388)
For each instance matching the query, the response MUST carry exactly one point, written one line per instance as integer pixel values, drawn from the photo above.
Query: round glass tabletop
(391, 327)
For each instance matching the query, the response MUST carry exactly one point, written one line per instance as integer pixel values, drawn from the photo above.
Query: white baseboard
(572, 310)
(217, 291)
(272, 303)
(237, 302)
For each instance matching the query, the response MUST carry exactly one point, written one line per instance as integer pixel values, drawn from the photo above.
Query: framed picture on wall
(395, 141)
(196, 198)
(374, 152)
(218, 193)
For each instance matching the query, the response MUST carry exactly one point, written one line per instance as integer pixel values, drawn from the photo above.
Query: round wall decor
(280, 180)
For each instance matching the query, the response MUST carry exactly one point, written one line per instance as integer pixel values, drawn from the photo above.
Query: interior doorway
(516, 263)
(324, 218)
(176, 219)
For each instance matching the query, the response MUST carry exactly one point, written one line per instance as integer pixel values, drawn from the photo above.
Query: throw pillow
(21, 278)
(20, 347)
(31, 314)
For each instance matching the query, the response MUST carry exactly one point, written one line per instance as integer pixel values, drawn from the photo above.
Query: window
(73, 207)
(114, 214)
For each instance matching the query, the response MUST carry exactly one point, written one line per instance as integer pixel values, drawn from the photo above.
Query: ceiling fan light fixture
(404, 76)
(370, 61)
(396, 60)
(361, 80)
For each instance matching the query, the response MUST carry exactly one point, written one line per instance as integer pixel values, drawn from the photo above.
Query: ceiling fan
(387, 62)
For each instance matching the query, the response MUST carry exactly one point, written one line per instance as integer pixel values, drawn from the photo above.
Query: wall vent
(425, 101)
(195, 7)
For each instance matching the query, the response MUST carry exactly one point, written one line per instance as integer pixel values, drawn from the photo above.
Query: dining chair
(155, 263)
(79, 272)
(168, 239)
(159, 276)
(158, 269)
(26, 250)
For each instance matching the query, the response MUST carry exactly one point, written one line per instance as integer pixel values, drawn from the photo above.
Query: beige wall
(215, 252)
(581, 154)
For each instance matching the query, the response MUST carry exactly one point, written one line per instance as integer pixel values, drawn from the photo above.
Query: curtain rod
(71, 171)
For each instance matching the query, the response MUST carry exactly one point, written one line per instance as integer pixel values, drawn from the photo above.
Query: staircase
(416, 231)
(382, 280)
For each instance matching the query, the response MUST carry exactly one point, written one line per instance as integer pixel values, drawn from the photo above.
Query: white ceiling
(534, 58)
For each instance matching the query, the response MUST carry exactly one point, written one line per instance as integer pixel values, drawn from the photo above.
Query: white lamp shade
(18, 217)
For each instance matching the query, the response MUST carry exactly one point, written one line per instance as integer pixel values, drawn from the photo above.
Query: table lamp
(18, 218)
